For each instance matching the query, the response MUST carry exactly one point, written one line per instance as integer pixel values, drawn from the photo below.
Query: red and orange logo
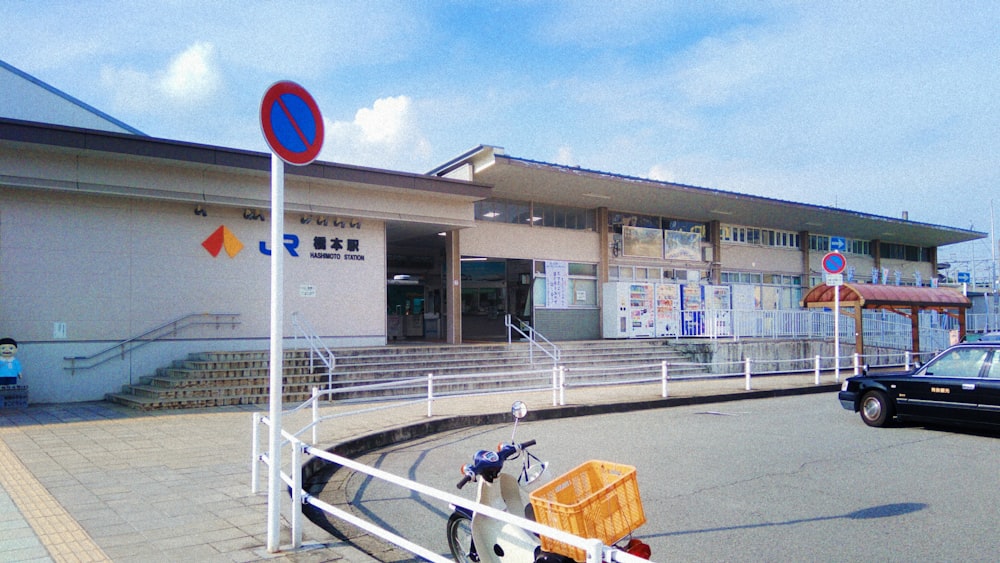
(222, 238)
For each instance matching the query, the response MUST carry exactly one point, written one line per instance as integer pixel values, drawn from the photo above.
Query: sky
(877, 107)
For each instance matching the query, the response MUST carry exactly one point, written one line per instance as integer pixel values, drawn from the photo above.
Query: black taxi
(959, 385)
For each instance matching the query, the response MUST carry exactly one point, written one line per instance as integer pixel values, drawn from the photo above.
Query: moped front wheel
(463, 549)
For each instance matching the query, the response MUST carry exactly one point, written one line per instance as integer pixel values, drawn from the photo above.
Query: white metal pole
(816, 360)
(746, 370)
(277, 351)
(430, 395)
(296, 494)
(664, 376)
(315, 415)
(562, 386)
(255, 454)
(836, 333)
(555, 386)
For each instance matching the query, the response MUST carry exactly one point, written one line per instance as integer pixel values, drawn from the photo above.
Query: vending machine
(668, 309)
(692, 314)
(628, 310)
(717, 300)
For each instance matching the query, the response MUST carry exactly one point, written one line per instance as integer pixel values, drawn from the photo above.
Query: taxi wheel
(875, 408)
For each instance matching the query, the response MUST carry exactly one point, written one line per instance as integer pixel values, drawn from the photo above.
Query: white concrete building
(108, 235)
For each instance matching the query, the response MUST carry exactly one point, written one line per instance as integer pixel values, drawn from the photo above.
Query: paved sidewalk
(99, 482)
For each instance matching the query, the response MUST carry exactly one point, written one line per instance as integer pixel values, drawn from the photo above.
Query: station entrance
(417, 278)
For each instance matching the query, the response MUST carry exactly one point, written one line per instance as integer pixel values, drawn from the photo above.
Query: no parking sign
(291, 123)
(293, 128)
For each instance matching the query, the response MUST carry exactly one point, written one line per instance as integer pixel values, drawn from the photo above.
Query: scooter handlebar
(482, 462)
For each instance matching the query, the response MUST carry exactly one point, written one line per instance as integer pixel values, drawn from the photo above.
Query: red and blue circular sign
(292, 123)
(834, 263)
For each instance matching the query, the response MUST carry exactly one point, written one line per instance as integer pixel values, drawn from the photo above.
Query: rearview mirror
(519, 409)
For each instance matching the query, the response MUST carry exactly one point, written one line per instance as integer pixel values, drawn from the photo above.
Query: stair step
(219, 378)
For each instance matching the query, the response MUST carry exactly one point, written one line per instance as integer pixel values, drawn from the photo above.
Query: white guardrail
(596, 551)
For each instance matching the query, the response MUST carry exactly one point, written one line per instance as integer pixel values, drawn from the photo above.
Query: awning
(873, 296)
(904, 300)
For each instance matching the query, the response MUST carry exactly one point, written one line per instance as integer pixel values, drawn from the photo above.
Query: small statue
(10, 367)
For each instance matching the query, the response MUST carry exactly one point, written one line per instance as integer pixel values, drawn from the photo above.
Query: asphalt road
(783, 479)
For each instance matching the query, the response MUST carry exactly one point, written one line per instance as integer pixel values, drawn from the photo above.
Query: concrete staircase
(238, 378)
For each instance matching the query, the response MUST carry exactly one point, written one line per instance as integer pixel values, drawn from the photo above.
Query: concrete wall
(772, 355)
(568, 324)
(110, 268)
(744, 257)
(503, 240)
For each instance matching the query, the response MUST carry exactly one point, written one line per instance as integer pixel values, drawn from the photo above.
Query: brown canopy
(904, 300)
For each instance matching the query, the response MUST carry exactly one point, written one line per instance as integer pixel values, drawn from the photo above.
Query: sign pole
(834, 264)
(836, 333)
(277, 351)
(293, 128)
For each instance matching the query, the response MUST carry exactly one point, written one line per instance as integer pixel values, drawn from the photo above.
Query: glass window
(994, 372)
(959, 362)
(583, 293)
(577, 269)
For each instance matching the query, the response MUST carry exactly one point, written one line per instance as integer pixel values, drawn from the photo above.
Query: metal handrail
(555, 354)
(167, 329)
(317, 348)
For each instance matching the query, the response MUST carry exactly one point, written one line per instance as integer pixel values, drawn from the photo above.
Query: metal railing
(882, 329)
(532, 336)
(560, 382)
(163, 331)
(317, 348)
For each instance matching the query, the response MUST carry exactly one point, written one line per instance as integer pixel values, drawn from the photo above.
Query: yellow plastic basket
(597, 499)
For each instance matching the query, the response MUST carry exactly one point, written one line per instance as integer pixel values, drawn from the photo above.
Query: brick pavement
(99, 482)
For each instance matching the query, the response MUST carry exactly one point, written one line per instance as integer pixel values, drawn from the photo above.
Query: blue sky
(879, 107)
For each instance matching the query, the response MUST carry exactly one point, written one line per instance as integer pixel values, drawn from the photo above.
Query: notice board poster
(556, 284)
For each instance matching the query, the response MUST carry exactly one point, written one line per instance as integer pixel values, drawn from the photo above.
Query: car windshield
(958, 362)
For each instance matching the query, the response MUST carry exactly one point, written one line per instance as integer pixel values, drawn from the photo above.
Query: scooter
(477, 538)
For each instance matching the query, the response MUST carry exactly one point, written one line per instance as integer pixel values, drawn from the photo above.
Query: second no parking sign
(291, 123)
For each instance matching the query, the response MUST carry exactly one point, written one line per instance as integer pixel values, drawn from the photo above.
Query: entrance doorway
(491, 289)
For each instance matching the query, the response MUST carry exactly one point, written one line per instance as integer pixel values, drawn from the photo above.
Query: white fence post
(663, 379)
(430, 395)
(296, 470)
(562, 386)
(555, 386)
(255, 455)
(816, 369)
(315, 415)
(857, 363)
(906, 360)
(746, 371)
(595, 551)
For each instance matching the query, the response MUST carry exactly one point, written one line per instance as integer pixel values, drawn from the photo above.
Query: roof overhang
(148, 150)
(873, 296)
(82, 141)
(514, 178)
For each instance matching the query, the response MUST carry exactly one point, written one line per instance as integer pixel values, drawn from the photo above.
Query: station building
(110, 236)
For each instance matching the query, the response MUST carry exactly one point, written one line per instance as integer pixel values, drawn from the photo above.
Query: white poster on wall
(556, 284)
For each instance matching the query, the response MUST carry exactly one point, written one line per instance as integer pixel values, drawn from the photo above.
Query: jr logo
(291, 243)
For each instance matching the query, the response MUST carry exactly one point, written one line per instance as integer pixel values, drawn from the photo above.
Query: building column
(804, 248)
(453, 287)
(604, 238)
(715, 266)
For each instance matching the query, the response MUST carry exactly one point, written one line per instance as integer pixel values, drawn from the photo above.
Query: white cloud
(661, 172)
(191, 78)
(385, 135)
(565, 156)
(191, 75)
